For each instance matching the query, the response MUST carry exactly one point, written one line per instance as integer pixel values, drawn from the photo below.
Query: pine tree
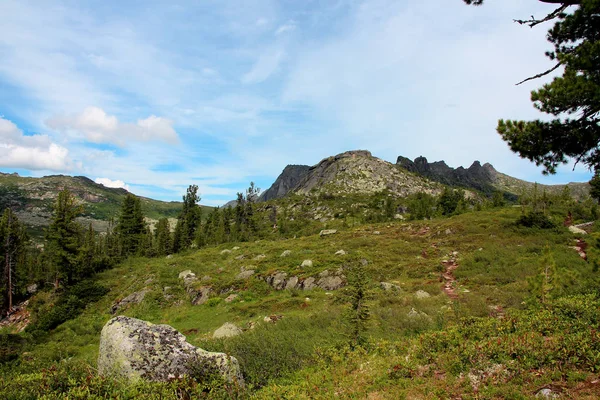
(188, 220)
(13, 239)
(63, 238)
(163, 237)
(545, 283)
(358, 313)
(572, 99)
(131, 227)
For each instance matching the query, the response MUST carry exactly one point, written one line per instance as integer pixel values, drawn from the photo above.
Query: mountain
(484, 178)
(352, 172)
(32, 200)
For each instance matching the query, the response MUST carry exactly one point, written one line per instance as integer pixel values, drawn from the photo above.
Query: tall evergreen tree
(188, 220)
(13, 239)
(131, 227)
(63, 239)
(163, 237)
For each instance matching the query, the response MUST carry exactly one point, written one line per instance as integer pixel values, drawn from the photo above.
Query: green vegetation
(524, 310)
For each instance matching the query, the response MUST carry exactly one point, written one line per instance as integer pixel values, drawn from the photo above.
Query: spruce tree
(13, 239)
(131, 227)
(63, 239)
(162, 237)
(188, 220)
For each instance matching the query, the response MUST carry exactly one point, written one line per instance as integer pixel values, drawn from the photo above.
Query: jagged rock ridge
(286, 181)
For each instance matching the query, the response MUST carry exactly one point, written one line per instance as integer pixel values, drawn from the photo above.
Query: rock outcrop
(198, 295)
(326, 280)
(286, 181)
(133, 298)
(133, 349)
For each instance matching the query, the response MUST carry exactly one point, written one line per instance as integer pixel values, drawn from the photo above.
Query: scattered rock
(577, 231)
(184, 274)
(340, 253)
(546, 393)
(388, 287)
(259, 257)
(133, 298)
(148, 281)
(245, 274)
(306, 264)
(327, 232)
(363, 262)
(240, 257)
(286, 253)
(272, 318)
(133, 350)
(200, 296)
(231, 298)
(169, 256)
(197, 295)
(421, 294)
(206, 278)
(448, 231)
(376, 233)
(399, 216)
(235, 248)
(331, 283)
(227, 330)
(277, 280)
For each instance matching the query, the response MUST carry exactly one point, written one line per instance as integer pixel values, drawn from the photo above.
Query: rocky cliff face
(483, 178)
(286, 181)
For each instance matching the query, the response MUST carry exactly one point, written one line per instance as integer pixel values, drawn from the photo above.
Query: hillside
(32, 200)
(448, 306)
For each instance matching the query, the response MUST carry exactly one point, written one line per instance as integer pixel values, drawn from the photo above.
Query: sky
(155, 96)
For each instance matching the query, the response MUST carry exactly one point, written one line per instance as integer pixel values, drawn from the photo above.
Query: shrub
(536, 219)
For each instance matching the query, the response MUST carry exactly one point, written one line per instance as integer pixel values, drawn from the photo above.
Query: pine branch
(540, 74)
(533, 22)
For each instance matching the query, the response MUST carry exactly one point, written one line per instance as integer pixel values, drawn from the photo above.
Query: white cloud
(112, 184)
(35, 152)
(98, 127)
(287, 27)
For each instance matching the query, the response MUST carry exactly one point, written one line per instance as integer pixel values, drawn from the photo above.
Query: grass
(418, 347)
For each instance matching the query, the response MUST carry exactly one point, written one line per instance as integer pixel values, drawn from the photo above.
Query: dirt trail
(449, 279)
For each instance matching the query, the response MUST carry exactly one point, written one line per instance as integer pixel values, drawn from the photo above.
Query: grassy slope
(495, 260)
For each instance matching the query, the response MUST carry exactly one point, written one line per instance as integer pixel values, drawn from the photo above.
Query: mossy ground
(436, 354)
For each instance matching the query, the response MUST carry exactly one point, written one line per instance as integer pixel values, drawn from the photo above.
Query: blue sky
(155, 95)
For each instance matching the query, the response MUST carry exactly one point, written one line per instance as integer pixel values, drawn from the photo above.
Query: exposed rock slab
(227, 330)
(133, 298)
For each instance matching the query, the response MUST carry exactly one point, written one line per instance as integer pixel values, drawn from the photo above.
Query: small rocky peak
(354, 154)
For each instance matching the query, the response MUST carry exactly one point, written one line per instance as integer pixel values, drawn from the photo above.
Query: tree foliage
(131, 227)
(572, 99)
(13, 240)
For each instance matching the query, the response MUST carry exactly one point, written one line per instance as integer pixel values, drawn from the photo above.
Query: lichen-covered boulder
(133, 349)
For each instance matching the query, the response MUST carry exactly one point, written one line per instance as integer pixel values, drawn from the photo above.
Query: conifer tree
(188, 220)
(358, 313)
(13, 239)
(63, 239)
(131, 227)
(163, 237)
(571, 100)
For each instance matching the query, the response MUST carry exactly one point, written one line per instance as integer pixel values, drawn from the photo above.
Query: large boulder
(133, 349)
(227, 330)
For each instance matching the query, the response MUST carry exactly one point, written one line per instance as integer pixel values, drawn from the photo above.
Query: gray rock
(286, 253)
(184, 274)
(259, 257)
(226, 251)
(309, 283)
(227, 330)
(306, 264)
(421, 294)
(133, 298)
(388, 287)
(292, 283)
(235, 248)
(340, 253)
(200, 296)
(327, 232)
(169, 256)
(376, 233)
(245, 274)
(577, 231)
(231, 298)
(132, 349)
(240, 257)
(546, 393)
(331, 282)
(277, 280)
